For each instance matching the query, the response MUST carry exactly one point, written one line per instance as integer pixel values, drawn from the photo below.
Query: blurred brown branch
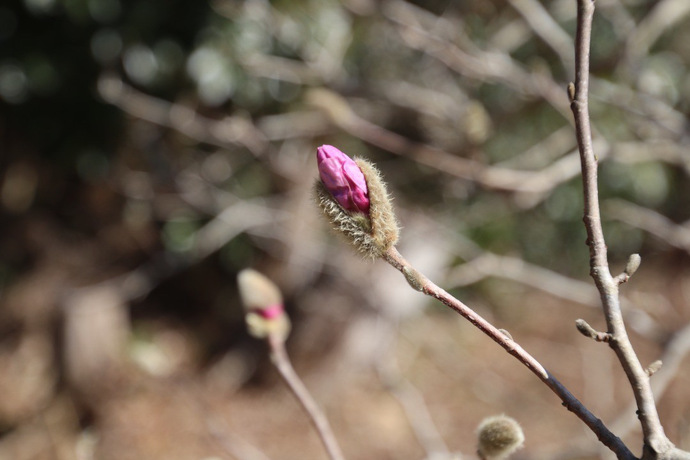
(426, 32)
(229, 132)
(677, 235)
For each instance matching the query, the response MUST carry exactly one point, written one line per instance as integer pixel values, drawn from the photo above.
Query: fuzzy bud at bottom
(499, 436)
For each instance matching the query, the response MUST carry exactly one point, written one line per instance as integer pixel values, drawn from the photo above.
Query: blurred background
(151, 149)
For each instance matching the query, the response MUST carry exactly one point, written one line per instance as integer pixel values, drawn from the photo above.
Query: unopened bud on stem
(633, 264)
(499, 436)
(354, 199)
(263, 303)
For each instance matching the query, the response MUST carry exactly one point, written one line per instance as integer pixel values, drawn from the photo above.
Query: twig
(280, 359)
(656, 444)
(426, 286)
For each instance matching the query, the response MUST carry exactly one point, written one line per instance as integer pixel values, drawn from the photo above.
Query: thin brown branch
(656, 444)
(570, 402)
(280, 359)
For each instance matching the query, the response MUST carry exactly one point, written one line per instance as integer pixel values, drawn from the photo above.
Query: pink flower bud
(265, 315)
(343, 179)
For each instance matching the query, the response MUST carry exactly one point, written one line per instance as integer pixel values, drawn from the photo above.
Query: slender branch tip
(281, 361)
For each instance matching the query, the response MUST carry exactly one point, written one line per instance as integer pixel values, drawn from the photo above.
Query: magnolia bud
(354, 198)
(499, 436)
(343, 179)
(263, 304)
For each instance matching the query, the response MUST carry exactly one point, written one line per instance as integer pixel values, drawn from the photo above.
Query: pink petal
(343, 179)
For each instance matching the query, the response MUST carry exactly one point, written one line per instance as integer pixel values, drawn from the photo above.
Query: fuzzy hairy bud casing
(372, 234)
(263, 303)
(499, 436)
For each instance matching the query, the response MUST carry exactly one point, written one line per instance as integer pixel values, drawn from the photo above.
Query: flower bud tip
(343, 179)
(257, 291)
